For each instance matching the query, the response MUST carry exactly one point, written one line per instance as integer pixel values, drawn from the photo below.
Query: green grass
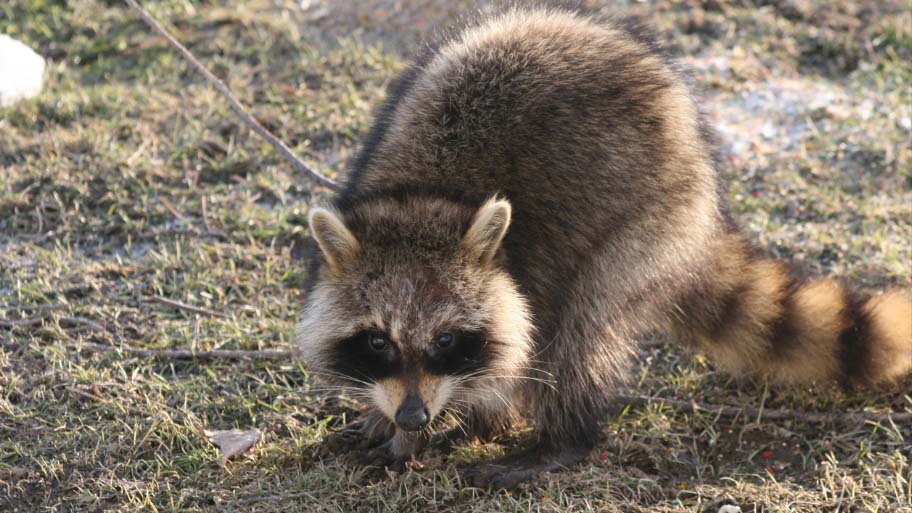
(129, 177)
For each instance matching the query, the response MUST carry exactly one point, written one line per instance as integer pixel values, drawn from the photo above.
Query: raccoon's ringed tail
(751, 314)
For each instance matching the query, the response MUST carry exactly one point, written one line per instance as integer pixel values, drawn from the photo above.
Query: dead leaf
(234, 441)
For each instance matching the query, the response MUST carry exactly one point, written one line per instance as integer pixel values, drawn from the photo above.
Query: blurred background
(136, 211)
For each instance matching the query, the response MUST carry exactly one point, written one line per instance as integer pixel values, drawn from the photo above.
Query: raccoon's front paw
(397, 454)
(445, 440)
(350, 438)
(360, 435)
(383, 457)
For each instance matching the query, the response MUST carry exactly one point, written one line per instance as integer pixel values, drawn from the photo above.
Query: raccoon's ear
(489, 226)
(337, 242)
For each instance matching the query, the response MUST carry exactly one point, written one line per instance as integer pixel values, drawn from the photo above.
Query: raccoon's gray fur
(535, 195)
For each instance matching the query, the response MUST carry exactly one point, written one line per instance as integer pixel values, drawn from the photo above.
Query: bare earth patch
(128, 180)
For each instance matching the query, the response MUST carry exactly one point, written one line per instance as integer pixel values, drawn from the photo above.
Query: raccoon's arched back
(474, 106)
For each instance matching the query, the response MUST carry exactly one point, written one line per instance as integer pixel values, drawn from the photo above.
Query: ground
(129, 178)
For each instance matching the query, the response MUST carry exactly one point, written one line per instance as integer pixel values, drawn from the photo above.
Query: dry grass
(129, 178)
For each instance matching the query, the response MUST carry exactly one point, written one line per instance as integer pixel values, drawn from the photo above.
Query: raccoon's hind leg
(509, 471)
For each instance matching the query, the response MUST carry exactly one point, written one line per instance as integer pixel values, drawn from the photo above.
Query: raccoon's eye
(377, 341)
(445, 340)
(457, 353)
(365, 357)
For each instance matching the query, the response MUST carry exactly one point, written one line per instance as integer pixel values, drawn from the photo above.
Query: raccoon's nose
(412, 415)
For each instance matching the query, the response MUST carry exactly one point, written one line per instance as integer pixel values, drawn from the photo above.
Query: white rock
(728, 508)
(21, 71)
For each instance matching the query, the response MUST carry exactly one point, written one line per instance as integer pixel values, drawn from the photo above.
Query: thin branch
(233, 101)
(86, 395)
(188, 354)
(768, 414)
(79, 321)
(41, 307)
(63, 321)
(275, 498)
(185, 306)
(170, 232)
(21, 323)
(170, 208)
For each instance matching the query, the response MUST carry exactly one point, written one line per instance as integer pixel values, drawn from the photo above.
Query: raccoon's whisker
(336, 375)
(353, 391)
(536, 369)
(463, 409)
(464, 389)
(334, 386)
(462, 402)
(549, 383)
(360, 397)
(449, 415)
(462, 384)
(518, 376)
(460, 422)
(534, 361)
(459, 413)
(476, 394)
(466, 377)
(471, 394)
(535, 355)
(339, 375)
(328, 389)
(501, 397)
(356, 380)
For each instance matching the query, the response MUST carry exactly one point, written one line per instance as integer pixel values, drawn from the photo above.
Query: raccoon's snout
(413, 414)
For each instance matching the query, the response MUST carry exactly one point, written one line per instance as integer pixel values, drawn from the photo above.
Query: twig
(151, 234)
(768, 414)
(120, 405)
(21, 323)
(233, 101)
(185, 306)
(275, 498)
(188, 354)
(86, 395)
(79, 321)
(170, 208)
(41, 307)
(63, 321)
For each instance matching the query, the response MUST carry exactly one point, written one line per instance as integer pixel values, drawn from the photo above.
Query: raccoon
(535, 196)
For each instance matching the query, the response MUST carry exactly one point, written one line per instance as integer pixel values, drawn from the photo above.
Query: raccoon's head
(411, 309)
